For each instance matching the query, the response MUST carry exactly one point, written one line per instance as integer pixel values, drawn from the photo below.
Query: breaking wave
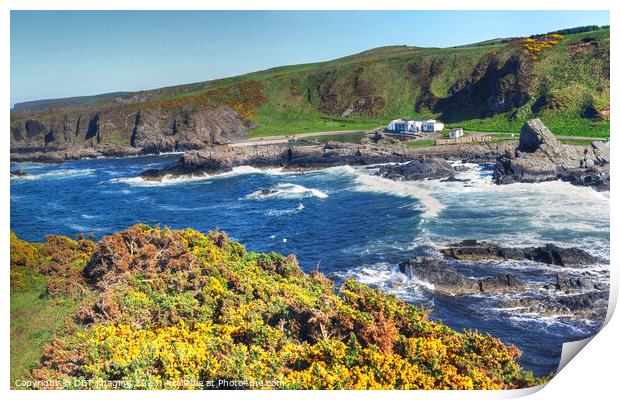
(286, 211)
(166, 180)
(178, 180)
(286, 191)
(58, 174)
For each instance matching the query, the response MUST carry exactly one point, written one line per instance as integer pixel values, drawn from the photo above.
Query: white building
(404, 126)
(456, 133)
(432, 126)
(414, 126)
(397, 125)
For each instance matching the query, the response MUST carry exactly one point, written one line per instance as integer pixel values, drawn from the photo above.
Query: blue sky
(65, 53)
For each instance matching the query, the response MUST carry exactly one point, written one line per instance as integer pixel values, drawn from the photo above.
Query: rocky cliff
(121, 130)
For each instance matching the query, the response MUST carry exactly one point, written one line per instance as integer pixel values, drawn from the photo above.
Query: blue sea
(346, 222)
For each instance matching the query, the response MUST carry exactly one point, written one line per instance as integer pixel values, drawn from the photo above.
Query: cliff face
(148, 130)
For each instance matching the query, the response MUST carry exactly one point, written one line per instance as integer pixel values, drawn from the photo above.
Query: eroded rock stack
(541, 157)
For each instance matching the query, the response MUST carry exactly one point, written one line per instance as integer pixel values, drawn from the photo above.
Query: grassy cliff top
(493, 85)
(152, 307)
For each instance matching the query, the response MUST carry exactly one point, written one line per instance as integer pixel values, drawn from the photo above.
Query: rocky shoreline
(224, 158)
(548, 254)
(71, 154)
(541, 157)
(576, 296)
(537, 157)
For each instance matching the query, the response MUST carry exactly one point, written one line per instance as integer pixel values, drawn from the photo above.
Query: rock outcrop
(569, 296)
(446, 279)
(591, 305)
(218, 159)
(123, 131)
(18, 172)
(548, 254)
(418, 169)
(541, 157)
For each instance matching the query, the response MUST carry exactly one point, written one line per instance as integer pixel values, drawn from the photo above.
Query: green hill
(490, 86)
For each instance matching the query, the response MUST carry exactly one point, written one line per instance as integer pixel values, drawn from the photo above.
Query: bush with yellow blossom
(176, 309)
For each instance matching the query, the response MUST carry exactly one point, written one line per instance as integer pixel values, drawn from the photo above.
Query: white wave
(287, 211)
(532, 213)
(286, 191)
(407, 189)
(176, 208)
(388, 277)
(58, 174)
(339, 170)
(83, 228)
(365, 182)
(166, 180)
(545, 324)
(246, 169)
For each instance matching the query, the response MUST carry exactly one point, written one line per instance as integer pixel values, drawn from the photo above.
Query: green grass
(562, 126)
(35, 318)
(282, 122)
(414, 144)
(337, 138)
(578, 142)
(117, 138)
(501, 137)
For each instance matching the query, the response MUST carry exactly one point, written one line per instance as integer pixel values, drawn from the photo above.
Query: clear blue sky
(62, 53)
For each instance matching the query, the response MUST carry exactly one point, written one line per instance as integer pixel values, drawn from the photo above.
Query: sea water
(346, 222)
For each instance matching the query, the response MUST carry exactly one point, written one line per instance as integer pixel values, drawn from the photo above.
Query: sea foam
(286, 191)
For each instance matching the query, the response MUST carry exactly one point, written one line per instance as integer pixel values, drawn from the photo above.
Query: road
(278, 139)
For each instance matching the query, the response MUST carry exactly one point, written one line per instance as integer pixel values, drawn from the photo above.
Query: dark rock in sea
(584, 300)
(548, 254)
(453, 179)
(543, 307)
(460, 168)
(18, 172)
(590, 303)
(500, 283)
(438, 273)
(418, 169)
(566, 284)
(446, 279)
(541, 157)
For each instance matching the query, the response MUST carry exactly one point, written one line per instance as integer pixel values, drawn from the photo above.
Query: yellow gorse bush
(535, 46)
(182, 310)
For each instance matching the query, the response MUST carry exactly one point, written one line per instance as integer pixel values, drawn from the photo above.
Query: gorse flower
(175, 309)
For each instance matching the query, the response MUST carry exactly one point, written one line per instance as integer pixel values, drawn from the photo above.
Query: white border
(593, 374)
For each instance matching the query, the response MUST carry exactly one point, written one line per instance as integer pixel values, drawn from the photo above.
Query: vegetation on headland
(166, 308)
(493, 86)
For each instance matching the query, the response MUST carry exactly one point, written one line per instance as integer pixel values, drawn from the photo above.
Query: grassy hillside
(489, 86)
(155, 308)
